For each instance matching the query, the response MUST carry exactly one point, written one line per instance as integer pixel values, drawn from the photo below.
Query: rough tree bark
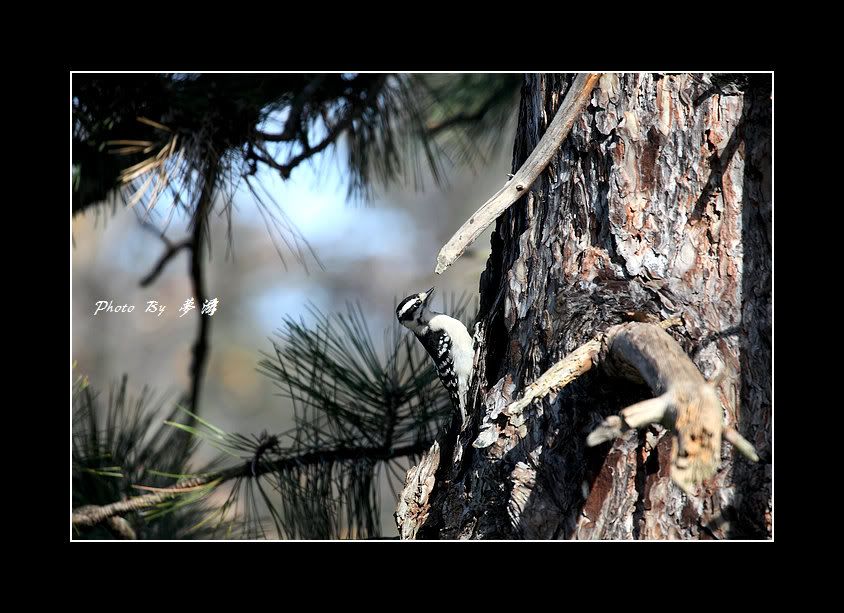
(657, 205)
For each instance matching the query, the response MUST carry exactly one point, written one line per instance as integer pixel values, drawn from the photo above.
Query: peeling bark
(657, 205)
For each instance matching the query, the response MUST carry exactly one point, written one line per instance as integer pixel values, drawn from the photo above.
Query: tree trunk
(658, 204)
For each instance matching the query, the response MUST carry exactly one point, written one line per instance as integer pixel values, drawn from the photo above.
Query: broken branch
(567, 370)
(686, 404)
(572, 106)
(559, 375)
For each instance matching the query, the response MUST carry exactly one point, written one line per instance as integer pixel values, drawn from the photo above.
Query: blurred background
(372, 251)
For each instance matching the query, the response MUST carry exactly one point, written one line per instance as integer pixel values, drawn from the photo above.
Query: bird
(446, 340)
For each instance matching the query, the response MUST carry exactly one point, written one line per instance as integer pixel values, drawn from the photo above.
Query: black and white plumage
(446, 340)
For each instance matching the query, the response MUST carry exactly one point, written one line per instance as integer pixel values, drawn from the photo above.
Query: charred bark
(658, 204)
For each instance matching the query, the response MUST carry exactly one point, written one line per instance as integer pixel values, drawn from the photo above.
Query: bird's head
(413, 312)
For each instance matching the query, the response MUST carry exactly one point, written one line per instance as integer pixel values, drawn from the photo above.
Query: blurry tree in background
(188, 142)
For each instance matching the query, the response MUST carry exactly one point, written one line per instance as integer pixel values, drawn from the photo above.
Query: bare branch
(741, 444)
(559, 375)
(567, 370)
(647, 412)
(609, 429)
(637, 415)
(91, 515)
(572, 106)
(686, 403)
(642, 351)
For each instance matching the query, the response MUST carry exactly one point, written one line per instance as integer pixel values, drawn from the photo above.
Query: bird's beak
(428, 295)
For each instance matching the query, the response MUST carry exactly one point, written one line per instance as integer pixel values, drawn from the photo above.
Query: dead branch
(685, 403)
(572, 106)
(559, 375)
(562, 373)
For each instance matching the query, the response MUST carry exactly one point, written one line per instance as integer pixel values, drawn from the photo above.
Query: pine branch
(122, 443)
(384, 119)
(334, 132)
(91, 515)
(292, 126)
(355, 413)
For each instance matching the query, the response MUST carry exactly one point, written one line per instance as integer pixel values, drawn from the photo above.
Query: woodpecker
(446, 340)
